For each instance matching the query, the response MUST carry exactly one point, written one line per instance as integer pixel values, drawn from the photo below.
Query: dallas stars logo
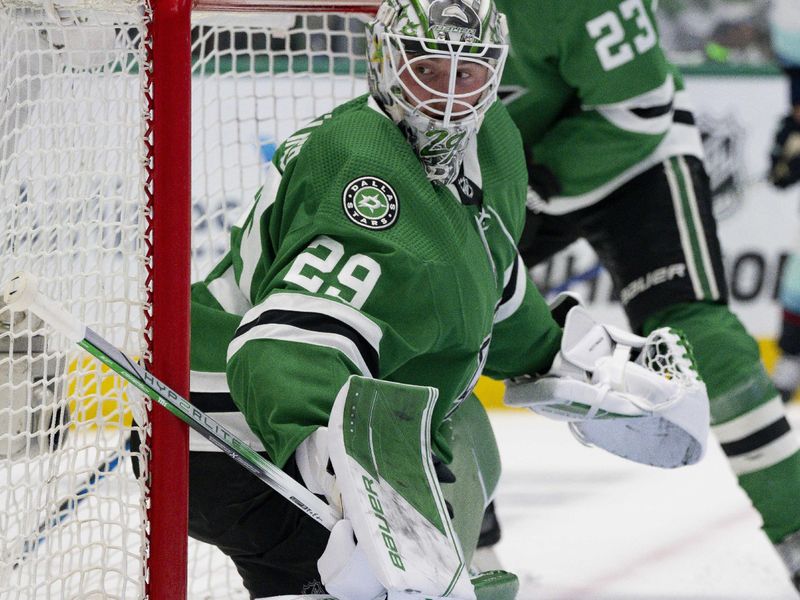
(370, 202)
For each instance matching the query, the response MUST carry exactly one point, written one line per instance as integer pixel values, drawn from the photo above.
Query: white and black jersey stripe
(757, 439)
(682, 138)
(650, 113)
(297, 317)
(698, 258)
(514, 285)
(209, 393)
(515, 278)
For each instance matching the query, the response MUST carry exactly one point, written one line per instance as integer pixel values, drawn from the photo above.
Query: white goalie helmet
(435, 66)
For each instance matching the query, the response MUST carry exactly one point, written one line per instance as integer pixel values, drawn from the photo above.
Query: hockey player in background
(784, 173)
(383, 245)
(614, 157)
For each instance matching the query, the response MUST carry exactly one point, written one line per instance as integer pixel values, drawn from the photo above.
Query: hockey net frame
(160, 336)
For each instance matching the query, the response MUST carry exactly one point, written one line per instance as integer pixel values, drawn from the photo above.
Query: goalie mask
(434, 66)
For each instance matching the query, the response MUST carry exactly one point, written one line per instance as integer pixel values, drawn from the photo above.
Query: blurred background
(740, 95)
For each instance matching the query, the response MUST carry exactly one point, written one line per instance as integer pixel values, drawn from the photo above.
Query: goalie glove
(32, 419)
(639, 398)
(785, 155)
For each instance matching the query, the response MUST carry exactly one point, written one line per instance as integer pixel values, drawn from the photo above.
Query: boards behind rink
(116, 139)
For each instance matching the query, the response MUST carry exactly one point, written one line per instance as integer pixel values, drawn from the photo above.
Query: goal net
(79, 205)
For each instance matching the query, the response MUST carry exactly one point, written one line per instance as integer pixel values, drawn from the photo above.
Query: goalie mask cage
(123, 126)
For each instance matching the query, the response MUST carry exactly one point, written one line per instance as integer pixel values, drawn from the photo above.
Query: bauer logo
(370, 202)
(383, 524)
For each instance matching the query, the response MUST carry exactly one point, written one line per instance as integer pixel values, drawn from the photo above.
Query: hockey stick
(68, 505)
(20, 293)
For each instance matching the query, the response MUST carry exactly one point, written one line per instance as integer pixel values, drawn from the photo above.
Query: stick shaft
(21, 293)
(212, 430)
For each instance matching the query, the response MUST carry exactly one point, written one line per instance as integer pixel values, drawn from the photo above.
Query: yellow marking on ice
(490, 392)
(97, 394)
(769, 355)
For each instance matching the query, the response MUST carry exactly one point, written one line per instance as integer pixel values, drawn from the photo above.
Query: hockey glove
(639, 398)
(542, 183)
(32, 419)
(785, 156)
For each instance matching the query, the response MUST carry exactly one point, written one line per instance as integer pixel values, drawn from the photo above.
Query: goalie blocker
(639, 398)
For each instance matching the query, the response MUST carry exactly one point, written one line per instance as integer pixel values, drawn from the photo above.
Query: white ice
(581, 524)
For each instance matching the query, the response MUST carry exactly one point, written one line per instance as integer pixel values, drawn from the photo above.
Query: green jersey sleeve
(593, 92)
(350, 261)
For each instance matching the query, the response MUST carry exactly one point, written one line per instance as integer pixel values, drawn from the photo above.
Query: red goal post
(131, 136)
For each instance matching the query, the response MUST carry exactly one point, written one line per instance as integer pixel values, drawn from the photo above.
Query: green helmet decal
(454, 20)
(434, 67)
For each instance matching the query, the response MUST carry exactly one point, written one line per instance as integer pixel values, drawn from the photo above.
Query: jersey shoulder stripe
(515, 279)
(302, 318)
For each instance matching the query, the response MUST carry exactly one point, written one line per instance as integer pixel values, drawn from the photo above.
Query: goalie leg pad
(379, 436)
(476, 466)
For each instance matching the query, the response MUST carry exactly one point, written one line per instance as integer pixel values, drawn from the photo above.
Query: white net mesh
(253, 88)
(669, 355)
(73, 210)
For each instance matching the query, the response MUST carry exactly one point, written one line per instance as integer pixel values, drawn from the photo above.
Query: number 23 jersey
(593, 94)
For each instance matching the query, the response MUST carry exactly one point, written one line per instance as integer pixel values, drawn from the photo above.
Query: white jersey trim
(622, 114)
(766, 456)
(303, 303)
(250, 249)
(236, 423)
(290, 333)
(750, 422)
(511, 305)
(209, 382)
(225, 290)
(680, 140)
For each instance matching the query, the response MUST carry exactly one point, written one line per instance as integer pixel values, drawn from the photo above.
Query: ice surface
(579, 523)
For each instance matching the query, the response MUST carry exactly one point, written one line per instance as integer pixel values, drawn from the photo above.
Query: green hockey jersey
(350, 261)
(594, 96)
